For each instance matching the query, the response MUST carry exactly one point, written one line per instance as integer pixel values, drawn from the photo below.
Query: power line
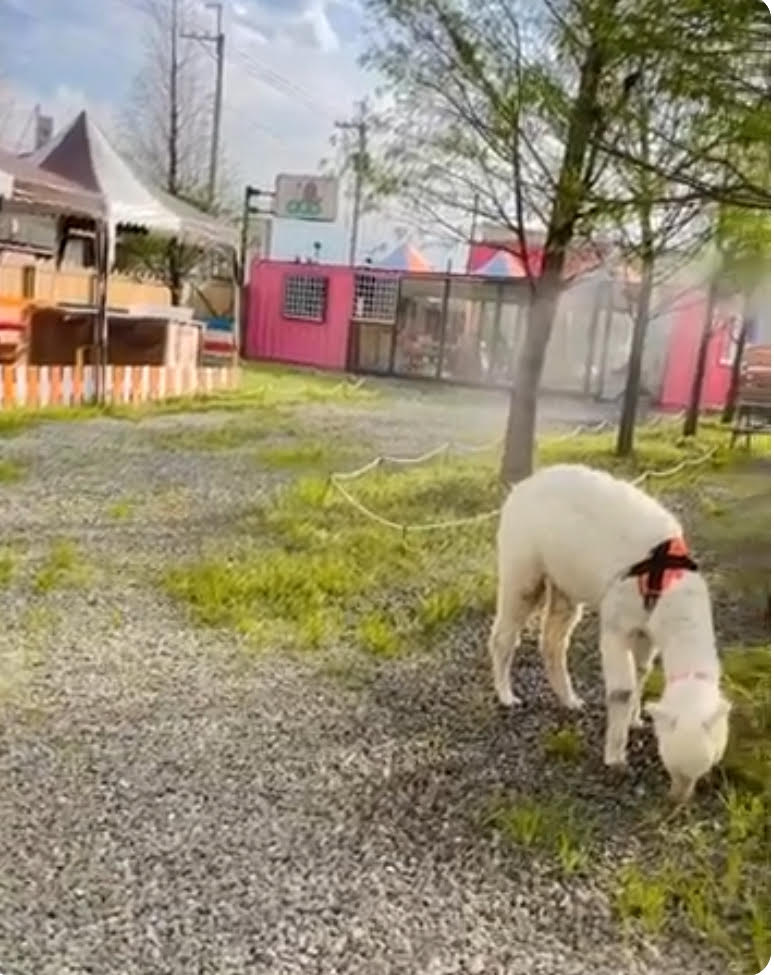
(285, 86)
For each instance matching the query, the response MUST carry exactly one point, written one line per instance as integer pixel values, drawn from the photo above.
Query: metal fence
(465, 329)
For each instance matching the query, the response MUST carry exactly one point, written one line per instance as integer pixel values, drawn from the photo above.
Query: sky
(291, 72)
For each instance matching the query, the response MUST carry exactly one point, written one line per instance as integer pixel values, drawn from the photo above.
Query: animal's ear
(721, 711)
(662, 717)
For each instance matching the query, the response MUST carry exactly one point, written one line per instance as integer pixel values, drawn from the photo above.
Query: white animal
(571, 536)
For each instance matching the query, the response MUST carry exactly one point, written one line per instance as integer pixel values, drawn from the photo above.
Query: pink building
(688, 318)
(299, 313)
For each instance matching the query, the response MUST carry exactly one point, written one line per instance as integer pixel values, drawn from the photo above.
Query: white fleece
(574, 532)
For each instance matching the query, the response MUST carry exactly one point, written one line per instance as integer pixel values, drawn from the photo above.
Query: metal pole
(444, 321)
(360, 159)
(359, 166)
(249, 191)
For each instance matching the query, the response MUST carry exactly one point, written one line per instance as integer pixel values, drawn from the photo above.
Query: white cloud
(289, 77)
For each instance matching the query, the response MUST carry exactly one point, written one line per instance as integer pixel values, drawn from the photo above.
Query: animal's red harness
(664, 566)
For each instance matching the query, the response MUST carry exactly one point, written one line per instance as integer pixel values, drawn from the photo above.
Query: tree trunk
(174, 272)
(522, 413)
(692, 414)
(736, 372)
(628, 420)
(520, 431)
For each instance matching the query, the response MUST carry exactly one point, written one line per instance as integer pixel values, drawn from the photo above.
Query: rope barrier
(336, 479)
(688, 462)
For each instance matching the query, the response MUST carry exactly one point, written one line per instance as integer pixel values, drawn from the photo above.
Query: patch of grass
(309, 553)
(248, 429)
(10, 471)
(308, 568)
(7, 566)
(714, 875)
(64, 566)
(657, 447)
(642, 897)
(17, 420)
(310, 455)
(377, 635)
(265, 386)
(555, 827)
(120, 510)
(564, 743)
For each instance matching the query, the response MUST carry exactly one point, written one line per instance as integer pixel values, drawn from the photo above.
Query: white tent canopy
(82, 152)
(37, 190)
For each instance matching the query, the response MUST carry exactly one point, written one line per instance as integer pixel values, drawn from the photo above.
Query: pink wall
(272, 336)
(681, 357)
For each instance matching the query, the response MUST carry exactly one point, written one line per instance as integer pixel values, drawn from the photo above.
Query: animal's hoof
(575, 703)
(507, 698)
(616, 762)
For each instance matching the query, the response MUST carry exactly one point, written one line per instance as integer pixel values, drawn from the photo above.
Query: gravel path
(170, 805)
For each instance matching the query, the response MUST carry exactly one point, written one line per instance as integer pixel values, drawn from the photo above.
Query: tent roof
(405, 258)
(83, 153)
(501, 265)
(21, 181)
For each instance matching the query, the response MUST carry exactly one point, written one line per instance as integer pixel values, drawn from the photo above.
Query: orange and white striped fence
(34, 386)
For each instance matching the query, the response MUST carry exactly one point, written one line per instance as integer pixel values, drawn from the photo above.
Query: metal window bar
(306, 297)
(375, 298)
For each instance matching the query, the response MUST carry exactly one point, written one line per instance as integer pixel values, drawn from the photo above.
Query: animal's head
(689, 744)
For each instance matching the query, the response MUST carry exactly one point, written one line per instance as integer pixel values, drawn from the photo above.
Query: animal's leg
(560, 617)
(620, 689)
(644, 653)
(514, 607)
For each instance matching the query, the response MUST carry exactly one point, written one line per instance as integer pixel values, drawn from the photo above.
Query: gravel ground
(169, 805)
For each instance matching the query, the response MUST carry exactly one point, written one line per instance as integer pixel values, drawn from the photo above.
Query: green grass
(7, 566)
(713, 872)
(564, 743)
(306, 568)
(305, 455)
(261, 387)
(10, 471)
(378, 635)
(309, 556)
(17, 420)
(64, 566)
(554, 827)
(120, 510)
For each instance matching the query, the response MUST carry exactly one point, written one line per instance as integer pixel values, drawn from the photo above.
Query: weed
(63, 566)
(309, 454)
(120, 510)
(377, 635)
(7, 565)
(10, 471)
(564, 743)
(555, 827)
(642, 897)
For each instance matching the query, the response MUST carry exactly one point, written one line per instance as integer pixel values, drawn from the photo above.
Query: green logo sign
(308, 206)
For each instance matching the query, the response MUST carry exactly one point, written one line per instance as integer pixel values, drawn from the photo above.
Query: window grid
(306, 297)
(375, 298)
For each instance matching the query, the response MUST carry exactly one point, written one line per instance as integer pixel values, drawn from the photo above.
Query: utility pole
(361, 127)
(219, 40)
(173, 112)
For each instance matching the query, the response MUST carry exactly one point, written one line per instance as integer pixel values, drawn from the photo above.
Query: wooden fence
(35, 386)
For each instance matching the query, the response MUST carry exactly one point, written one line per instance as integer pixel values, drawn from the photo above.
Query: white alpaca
(569, 536)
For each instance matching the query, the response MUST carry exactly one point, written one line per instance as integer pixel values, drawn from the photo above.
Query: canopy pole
(101, 318)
